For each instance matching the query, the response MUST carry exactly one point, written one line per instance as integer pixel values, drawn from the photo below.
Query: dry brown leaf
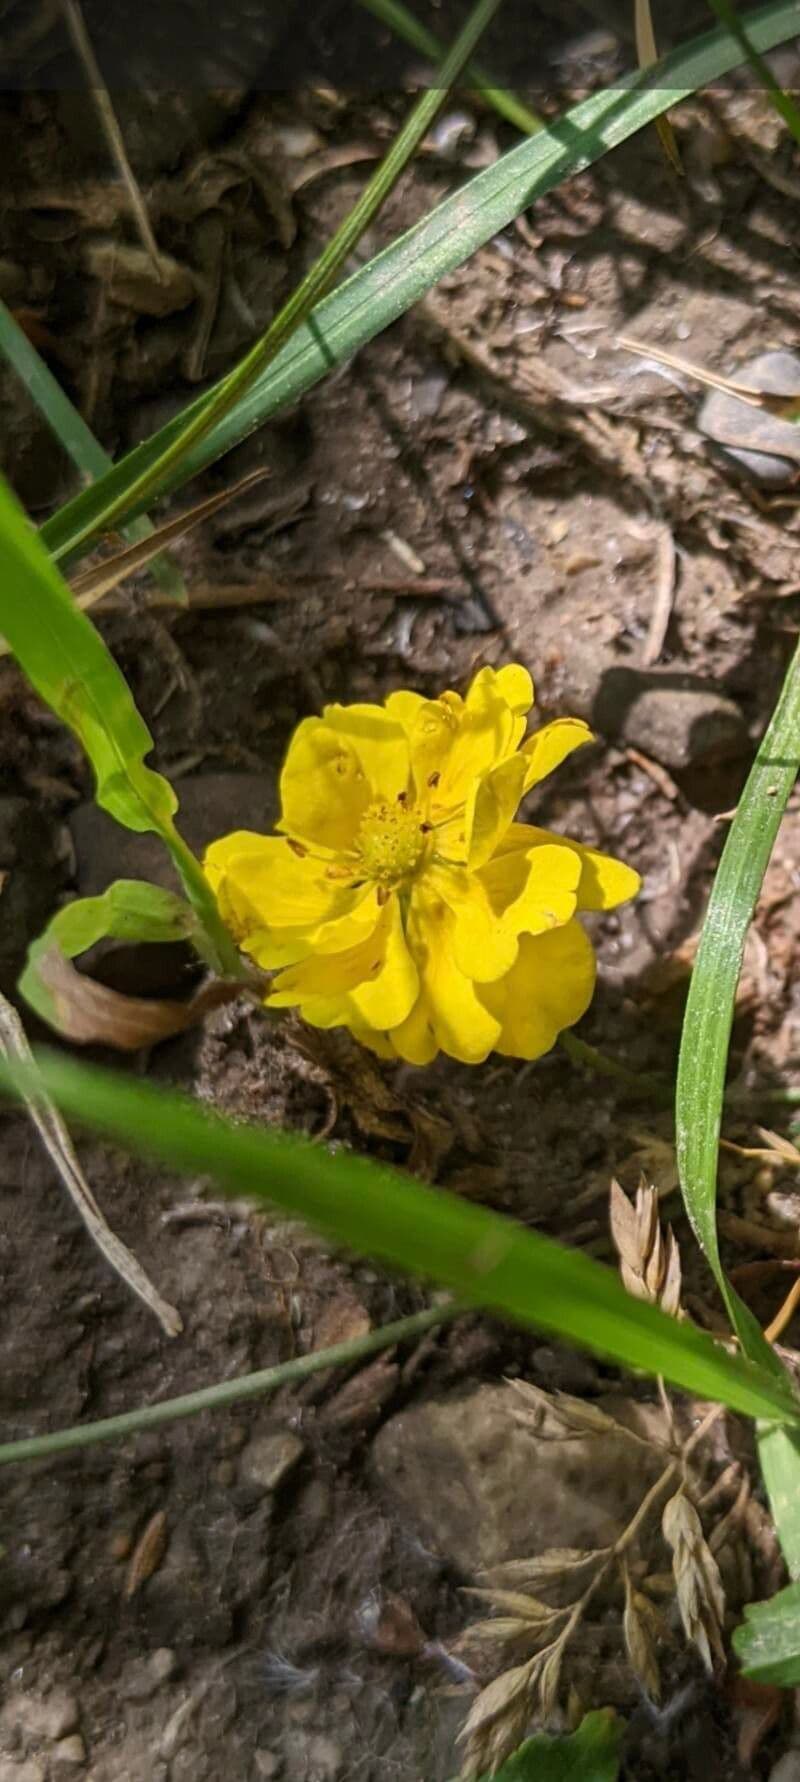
(93, 583)
(640, 1645)
(785, 407)
(91, 1014)
(701, 1598)
(650, 1264)
(147, 1554)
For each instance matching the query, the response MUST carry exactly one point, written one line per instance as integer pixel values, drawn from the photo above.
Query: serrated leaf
(591, 1754)
(767, 1643)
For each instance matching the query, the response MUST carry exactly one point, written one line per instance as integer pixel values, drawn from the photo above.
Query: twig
(102, 102)
(666, 560)
(228, 1392)
(58, 1144)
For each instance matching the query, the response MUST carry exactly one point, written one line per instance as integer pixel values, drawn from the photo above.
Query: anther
(433, 779)
(297, 848)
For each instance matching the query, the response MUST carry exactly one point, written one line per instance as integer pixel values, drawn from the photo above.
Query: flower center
(390, 841)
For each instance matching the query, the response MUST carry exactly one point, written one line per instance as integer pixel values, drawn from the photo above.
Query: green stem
(228, 1392)
(225, 956)
(405, 25)
(639, 1082)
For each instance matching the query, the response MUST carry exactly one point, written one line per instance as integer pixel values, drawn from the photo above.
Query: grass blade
(768, 1641)
(77, 439)
(196, 421)
(67, 662)
(388, 286)
(487, 1260)
(739, 30)
(704, 1052)
(406, 25)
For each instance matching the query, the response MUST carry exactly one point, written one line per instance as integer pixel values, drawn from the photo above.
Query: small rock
(210, 804)
(267, 1459)
(69, 1751)
(267, 1765)
(143, 1676)
(31, 1770)
(769, 452)
(325, 1759)
(672, 716)
(480, 1490)
(787, 1768)
(43, 1717)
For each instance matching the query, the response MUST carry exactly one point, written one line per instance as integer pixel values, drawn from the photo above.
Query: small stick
(666, 560)
(58, 1144)
(82, 42)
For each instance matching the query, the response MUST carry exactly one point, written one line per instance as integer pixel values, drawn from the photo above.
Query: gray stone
(68, 1752)
(42, 1717)
(787, 1768)
(477, 1489)
(770, 452)
(668, 714)
(266, 1764)
(268, 1459)
(210, 804)
(141, 1677)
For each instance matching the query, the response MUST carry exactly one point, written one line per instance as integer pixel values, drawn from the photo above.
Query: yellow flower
(401, 899)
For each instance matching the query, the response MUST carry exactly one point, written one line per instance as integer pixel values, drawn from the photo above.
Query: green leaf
(129, 910)
(68, 663)
(397, 278)
(486, 1259)
(768, 1641)
(590, 1754)
(704, 1053)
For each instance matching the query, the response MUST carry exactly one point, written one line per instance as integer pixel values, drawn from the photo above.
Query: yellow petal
(259, 881)
(324, 790)
(548, 989)
(604, 881)
(383, 1001)
(513, 683)
(484, 946)
(403, 707)
(462, 1025)
(534, 889)
(380, 743)
(551, 745)
(415, 1040)
(490, 808)
(432, 734)
(335, 974)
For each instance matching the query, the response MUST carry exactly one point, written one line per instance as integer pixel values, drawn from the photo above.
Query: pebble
(143, 1676)
(478, 1489)
(31, 1770)
(69, 1751)
(772, 452)
(267, 1765)
(268, 1459)
(324, 1757)
(43, 1717)
(787, 1768)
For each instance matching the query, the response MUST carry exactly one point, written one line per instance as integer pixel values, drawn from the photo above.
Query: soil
(493, 479)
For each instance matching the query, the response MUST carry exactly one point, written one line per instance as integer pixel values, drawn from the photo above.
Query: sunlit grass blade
(742, 34)
(768, 1642)
(196, 421)
(75, 436)
(487, 1260)
(704, 1052)
(67, 662)
(647, 52)
(405, 24)
(387, 286)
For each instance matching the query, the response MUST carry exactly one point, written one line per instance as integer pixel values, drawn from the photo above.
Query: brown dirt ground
(491, 480)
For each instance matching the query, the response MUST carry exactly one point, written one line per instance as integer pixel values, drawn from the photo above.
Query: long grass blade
(487, 1260)
(76, 438)
(375, 296)
(405, 24)
(704, 1052)
(740, 30)
(196, 421)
